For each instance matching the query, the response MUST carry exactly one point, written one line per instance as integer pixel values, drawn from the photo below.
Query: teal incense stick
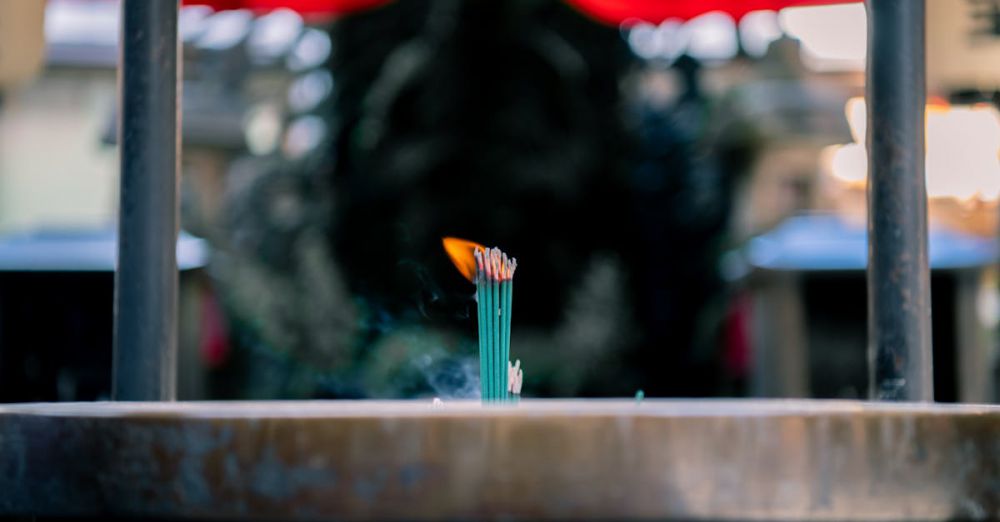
(502, 355)
(486, 377)
(495, 312)
(491, 320)
(508, 287)
(480, 318)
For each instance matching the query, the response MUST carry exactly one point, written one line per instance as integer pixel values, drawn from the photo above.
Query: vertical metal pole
(899, 310)
(145, 345)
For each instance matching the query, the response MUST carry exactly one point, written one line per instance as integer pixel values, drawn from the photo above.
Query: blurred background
(685, 197)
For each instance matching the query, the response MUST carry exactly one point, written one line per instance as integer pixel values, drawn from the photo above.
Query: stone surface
(808, 460)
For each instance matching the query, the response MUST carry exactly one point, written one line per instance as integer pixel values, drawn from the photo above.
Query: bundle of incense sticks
(492, 272)
(494, 287)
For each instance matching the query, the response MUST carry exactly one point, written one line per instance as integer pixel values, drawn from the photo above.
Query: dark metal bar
(145, 345)
(899, 331)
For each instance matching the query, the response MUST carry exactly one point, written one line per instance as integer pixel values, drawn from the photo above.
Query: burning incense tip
(465, 255)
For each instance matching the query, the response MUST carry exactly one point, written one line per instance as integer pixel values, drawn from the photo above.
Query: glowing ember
(463, 254)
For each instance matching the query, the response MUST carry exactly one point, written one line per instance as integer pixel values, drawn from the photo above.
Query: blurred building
(632, 169)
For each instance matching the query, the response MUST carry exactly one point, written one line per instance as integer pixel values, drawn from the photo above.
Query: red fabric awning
(612, 12)
(617, 11)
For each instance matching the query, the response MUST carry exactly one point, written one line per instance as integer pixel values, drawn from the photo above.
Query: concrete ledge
(750, 460)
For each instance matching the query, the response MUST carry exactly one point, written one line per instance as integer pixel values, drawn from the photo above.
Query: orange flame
(462, 254)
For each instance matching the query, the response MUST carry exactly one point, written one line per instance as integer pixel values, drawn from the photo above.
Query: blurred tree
(512, 124)
(496, 121)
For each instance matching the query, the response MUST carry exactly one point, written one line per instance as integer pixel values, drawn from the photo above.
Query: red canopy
(612, 12)
(617, 11)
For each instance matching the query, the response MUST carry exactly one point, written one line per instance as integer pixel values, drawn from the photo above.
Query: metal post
(145, 344)
(899, 311)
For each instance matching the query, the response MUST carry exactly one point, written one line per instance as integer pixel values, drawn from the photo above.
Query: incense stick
(508, 291)
(488, 323)
(496, 311)
(504, 340)
(481, 310)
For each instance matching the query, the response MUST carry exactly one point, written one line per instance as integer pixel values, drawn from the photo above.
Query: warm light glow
(832, 36)
(848, 163)
(462, 254)
(962, 145)
(857, 118)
